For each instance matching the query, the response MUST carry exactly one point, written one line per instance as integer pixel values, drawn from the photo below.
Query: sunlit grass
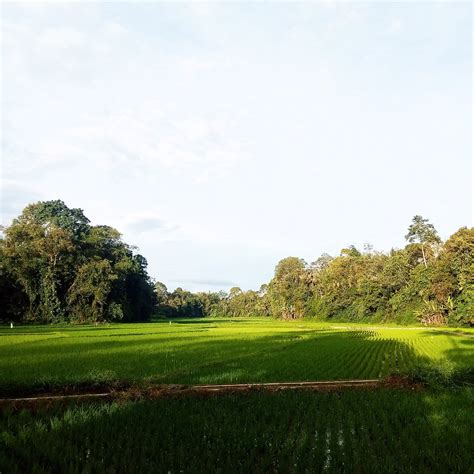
(218, 351)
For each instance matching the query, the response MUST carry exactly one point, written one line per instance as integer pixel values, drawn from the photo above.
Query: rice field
(218, 351)
(350, 431)
(297, 431)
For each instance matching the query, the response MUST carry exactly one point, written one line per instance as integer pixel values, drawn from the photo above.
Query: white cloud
(146, 140)
(61, 38)
(35, 48)
(149, 222)
(84, 123)
(115, 29)
(395, 26)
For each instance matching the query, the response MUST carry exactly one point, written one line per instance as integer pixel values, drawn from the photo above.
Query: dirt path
(158, 391)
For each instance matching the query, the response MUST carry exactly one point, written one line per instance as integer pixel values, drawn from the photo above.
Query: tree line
(56, 267)
(428, 281)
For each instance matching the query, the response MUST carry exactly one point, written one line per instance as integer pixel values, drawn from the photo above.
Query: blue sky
(220, 138)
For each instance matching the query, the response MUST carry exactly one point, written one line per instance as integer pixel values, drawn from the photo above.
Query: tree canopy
(55, 266)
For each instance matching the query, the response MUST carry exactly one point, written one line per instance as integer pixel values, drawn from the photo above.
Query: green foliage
(13, 300)
(426, 282)
(422, 231)
(294, 431)
(288, 291)
(442, 373)
(90, 291)
(55, 266)
(236, 304)
(58, 214)
(220, 351)
(182, 303)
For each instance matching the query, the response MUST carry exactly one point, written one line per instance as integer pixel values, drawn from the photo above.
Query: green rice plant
(295, 431)
(217, 351)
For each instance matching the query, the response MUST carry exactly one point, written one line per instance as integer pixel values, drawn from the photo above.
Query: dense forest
(55, 266)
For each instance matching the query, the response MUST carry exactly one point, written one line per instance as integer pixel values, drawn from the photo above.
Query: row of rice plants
(208, 352)
(389, 431)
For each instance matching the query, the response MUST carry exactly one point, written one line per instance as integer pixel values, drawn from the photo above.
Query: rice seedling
(351, 431)
(218, 351)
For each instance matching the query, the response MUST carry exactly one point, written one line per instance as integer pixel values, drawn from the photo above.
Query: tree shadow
(179, 358)
(297, 431)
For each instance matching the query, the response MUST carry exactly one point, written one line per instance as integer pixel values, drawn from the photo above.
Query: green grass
(296, 431)
(351, 431)
(217, 351)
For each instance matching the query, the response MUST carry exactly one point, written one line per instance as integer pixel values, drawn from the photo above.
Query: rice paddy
(350, 431)
(364, 430)
(218, 351)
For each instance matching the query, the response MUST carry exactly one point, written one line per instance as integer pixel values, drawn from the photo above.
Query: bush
(443, 373)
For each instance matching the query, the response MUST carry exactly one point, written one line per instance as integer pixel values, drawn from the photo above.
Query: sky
(221, 138)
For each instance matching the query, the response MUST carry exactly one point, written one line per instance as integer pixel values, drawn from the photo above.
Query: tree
(321, 262)
(455, 273)
(288, 290)
(183, 304)
(352, 251)
(136, 291)
(89, 294)
(234, 291)
(161, 292)
(13, 300)
(211, 303)
(66, 269)
(39, 254)
(423, 233)
(57, 213)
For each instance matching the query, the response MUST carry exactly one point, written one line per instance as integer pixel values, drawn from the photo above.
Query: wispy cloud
(132, 141)
(148, 138)
(149, 224)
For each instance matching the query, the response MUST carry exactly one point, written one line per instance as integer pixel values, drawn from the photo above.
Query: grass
(296, 431)
(218, 351)
(351, 431)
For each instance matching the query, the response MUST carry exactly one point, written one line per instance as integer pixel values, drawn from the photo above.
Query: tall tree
(423, 233)
(288, 290)
(57, 213)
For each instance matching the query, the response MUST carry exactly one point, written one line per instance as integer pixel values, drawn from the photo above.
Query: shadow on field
(52, 330)
(183, 359)
(26, 329)
(379, 431)
(461, 352)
